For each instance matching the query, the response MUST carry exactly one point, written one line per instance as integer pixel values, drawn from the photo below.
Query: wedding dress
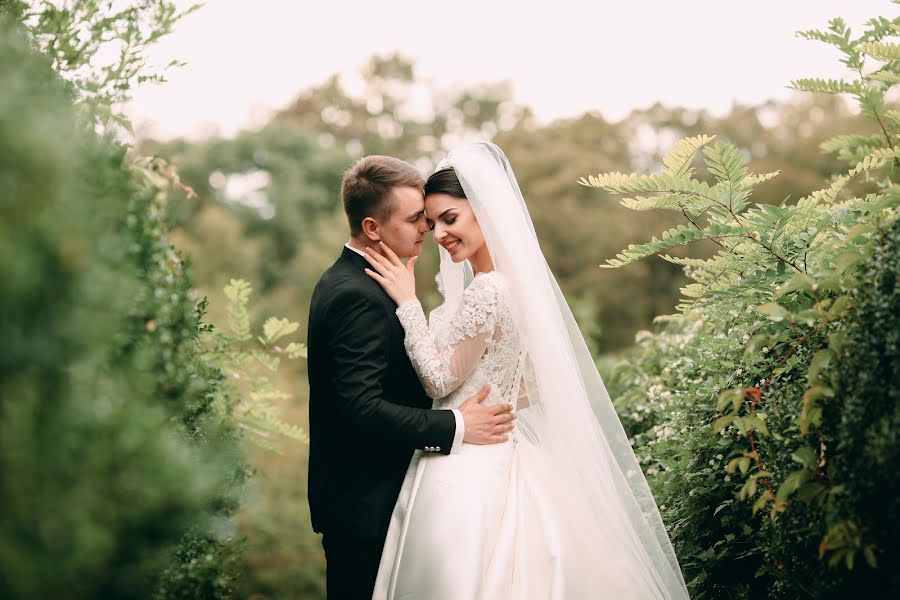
(561, 510)
(472, 525)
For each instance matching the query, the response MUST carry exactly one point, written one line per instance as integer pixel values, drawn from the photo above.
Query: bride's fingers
(375, 264)
(376, 261)
(392, 257)
(375, 276)
(377, 257)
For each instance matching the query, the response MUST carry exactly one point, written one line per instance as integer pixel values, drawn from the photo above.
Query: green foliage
(120, 454)
(106, 463)
(77, 34)
(766, 413)
(202, 569)
(252, 361)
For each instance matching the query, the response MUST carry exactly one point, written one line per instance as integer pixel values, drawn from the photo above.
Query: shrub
(765, 413)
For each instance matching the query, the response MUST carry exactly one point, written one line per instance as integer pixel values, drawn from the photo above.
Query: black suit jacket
(367, 410)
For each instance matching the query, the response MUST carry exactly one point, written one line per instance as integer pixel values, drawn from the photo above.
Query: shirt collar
(349, 247)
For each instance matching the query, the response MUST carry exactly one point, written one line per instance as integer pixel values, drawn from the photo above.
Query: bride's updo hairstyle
(444, 181)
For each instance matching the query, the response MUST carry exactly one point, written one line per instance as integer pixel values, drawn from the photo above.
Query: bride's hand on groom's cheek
(397, 279)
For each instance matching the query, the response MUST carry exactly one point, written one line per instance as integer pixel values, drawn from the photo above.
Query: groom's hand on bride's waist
(486, 424)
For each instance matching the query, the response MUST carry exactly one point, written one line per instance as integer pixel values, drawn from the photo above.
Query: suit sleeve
(360, 349)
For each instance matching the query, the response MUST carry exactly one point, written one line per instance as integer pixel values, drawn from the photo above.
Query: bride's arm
(443, 368)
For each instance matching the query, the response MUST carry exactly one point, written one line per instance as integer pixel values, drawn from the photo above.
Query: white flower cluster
(663, 431)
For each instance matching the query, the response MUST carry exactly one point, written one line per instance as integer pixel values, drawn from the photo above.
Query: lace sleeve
(443, 368)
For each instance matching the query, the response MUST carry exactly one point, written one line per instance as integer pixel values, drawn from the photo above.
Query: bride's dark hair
(444, 181)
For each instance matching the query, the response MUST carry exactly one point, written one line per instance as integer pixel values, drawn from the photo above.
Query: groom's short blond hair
(366, 188)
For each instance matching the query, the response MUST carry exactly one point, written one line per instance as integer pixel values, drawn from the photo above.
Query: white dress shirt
(460, 422)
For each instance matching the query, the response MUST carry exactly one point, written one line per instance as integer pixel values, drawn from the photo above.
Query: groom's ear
(370, 229)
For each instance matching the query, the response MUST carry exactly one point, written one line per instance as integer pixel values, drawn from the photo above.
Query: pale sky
(249, 57)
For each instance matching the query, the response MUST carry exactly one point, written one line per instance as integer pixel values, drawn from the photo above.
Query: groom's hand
(486, 424)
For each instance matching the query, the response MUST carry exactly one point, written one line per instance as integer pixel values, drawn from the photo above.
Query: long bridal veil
(604, 515)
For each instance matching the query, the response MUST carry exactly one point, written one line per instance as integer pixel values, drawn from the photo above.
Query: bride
(562, 509)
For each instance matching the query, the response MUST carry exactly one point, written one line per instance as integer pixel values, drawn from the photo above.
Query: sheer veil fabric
(604, 513)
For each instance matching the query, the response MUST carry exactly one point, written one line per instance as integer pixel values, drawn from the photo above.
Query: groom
(367, 410)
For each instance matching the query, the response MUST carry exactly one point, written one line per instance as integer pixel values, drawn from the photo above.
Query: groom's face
(405, 228)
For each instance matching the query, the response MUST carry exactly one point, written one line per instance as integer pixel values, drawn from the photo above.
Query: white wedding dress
(560, 511)
(472, 524)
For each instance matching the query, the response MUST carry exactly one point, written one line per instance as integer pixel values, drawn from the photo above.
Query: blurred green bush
(114, 480)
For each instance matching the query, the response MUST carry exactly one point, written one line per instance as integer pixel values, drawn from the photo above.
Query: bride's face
(455, 225)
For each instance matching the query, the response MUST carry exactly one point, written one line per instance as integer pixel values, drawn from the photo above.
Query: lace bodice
(477, 345)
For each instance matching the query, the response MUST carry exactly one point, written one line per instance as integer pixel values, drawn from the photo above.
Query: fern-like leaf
(275, 329)
(619, 183)
(843, 142)
(668, 202)
(884, 76)
(677, 236)
(725, 163)
(881, 50)
(828, 86)
(877, 159)
(678, 160)
(757, 178)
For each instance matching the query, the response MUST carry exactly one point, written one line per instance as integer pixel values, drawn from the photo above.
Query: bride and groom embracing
(475, 454)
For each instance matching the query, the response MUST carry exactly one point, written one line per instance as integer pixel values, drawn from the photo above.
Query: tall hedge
(115, 482)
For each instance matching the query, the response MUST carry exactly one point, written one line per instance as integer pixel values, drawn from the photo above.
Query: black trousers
(351, 566)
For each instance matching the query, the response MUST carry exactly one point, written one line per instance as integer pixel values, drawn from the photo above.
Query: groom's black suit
(367, 414)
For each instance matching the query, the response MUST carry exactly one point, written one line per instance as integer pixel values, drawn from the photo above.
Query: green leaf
(836, 341)
(774, 311)
(809, 491)
(869, 555)
(809, 316)
(295, 350)
(845, 142)
(677, 236)
(790, 485)
(881, 50)
(757, 178)
(238, 291)
(748, 490)
(811, 415)
(678, 160)
(806, 456)
(725, 163)
(836, 558)
(828, 86)
(820, 362)
(753, 422)
(275, 328)
(816, 392)
(722, 422)
(859, 230)
(760, 504)
(847, 260)
(840, 307)
(798, 282)
(729, 396)
(719, 508)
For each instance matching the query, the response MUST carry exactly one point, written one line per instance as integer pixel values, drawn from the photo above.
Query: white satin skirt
(472, 525)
